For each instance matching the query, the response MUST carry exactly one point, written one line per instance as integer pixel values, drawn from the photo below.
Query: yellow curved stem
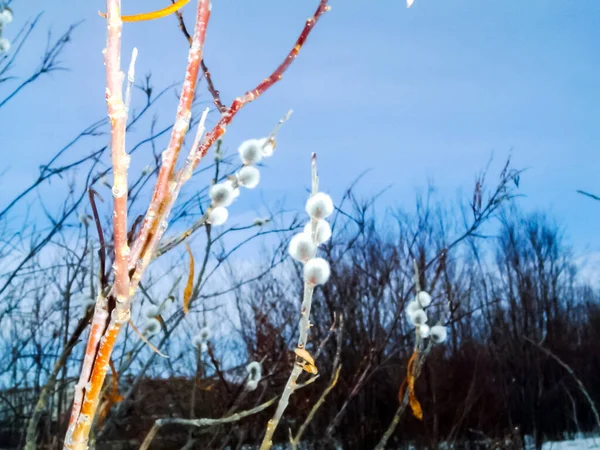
(154, 14)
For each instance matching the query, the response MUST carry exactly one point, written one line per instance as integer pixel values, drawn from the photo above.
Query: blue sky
(414, 95)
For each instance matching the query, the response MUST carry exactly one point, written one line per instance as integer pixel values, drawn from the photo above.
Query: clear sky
(414, 95)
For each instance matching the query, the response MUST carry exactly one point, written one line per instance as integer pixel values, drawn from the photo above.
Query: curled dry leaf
(189, 286)
(415, 406)
(154, 14)
(308, 363)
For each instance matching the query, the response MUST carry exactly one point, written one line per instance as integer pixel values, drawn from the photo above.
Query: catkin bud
(250, 151)
(218, 216)
(205, 333)
(316, 271)
(152, 327)
(248, 177)
(221, 194)
(322, 232)
(418, 317)
(302, 247)
(151, 311)
(412, 307)
(267, 146)
(424, 299)
(438, 333)
(6, 16)
(235, 191)
(254, 375)
(84, 219)
(319, 206)
(197, 341)
(4, 45)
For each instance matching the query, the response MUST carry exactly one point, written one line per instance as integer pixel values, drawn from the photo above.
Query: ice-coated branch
(99, 347)
(161, 218)
(161, 196)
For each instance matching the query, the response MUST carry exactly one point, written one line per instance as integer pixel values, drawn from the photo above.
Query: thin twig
(337, 367)
(304, 327)
(582, 388)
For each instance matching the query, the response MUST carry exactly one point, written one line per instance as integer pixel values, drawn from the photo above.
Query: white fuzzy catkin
(235, 191)
(302, 247)
(424, 299)
(4, 45)
(322, 232)
(267, 147)
(438, 333)
(254, 370)
(251, 385)
(197, 340)
(250, 151)
(152, 327)
(205, 333)
(248, 177)
(221, 194)
(6, 16)
(84, 219)
(319, 206)
(412, 307)
(151, 311)
(419, 317)
(218, 216)
(424, 330)
(316, 271)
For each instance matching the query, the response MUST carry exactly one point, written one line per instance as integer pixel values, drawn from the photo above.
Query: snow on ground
(576, 444)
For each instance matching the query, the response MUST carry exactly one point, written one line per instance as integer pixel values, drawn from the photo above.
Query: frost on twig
(303, 249)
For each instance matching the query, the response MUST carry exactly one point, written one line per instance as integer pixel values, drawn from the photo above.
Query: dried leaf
(154, 14)
(415, 406)
(187, 293)
(309, 363)
(409, 382)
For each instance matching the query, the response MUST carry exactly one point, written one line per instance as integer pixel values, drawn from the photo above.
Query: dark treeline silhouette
(514, 296)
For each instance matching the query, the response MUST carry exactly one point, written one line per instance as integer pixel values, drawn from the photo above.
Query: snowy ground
(581, 443)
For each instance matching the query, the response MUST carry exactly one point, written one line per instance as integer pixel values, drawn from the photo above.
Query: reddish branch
(161, 196)
(99, 347)
(253, 94)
